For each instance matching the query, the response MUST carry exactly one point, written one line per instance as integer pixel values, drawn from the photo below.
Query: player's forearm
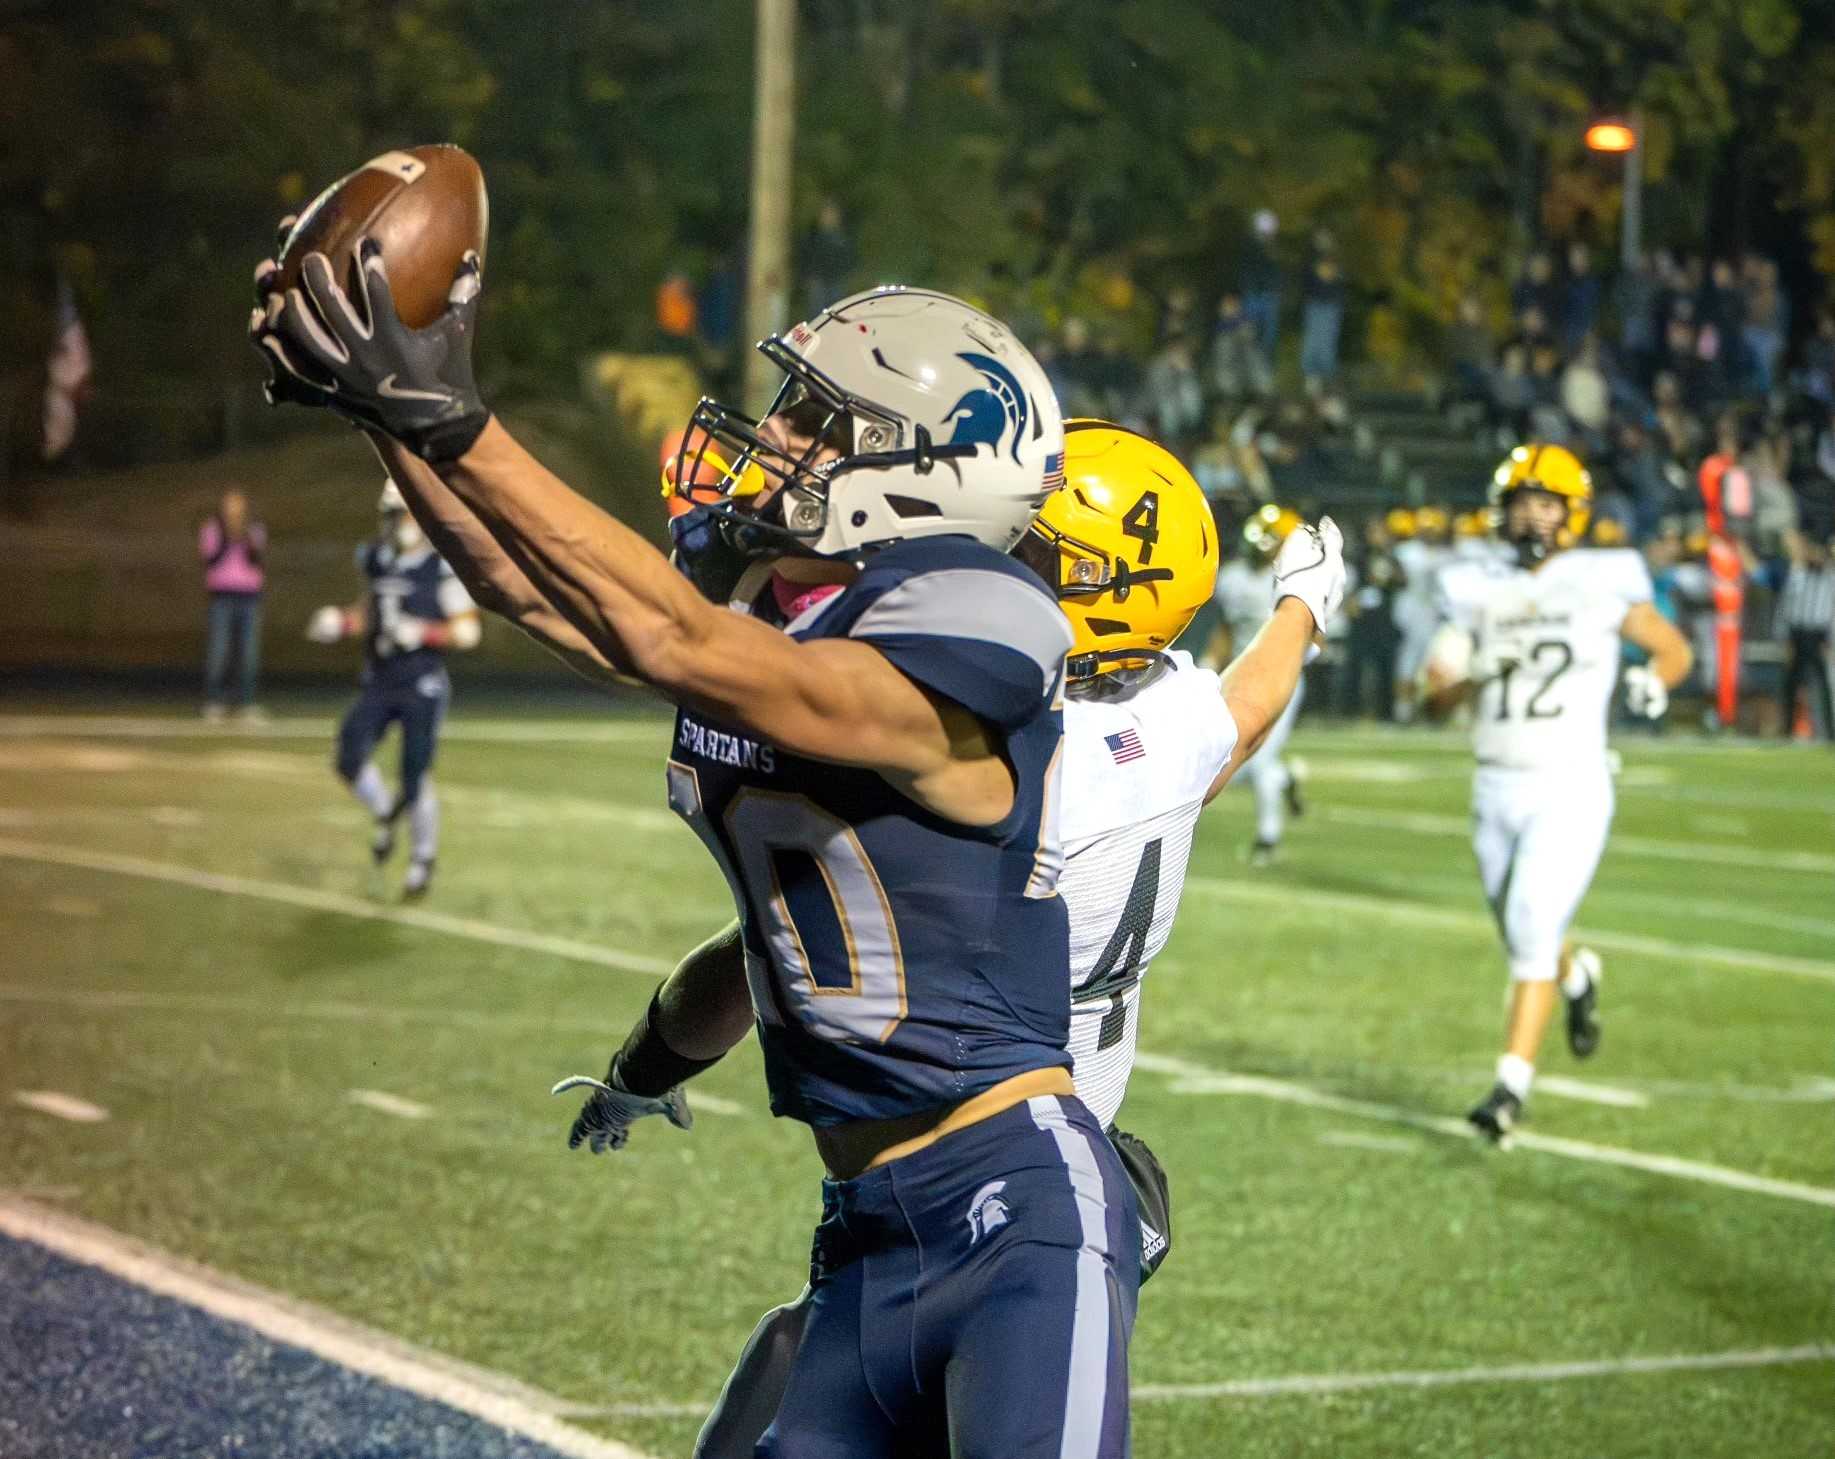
(1672, 661)
(1259, 684)
(634, 611)
(489, 574)
(705, 1007)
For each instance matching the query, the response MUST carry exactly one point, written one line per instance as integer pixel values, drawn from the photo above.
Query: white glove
(1645, 694)
(604, 1121)
(408, 634)
(1310, 567)
(326, 625)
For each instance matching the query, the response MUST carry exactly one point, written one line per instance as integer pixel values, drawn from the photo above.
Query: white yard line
(1712, 853)
(315, 900)
(1327, 1383)
(1197, 1079)
(61, 1106)
(1588, 1092)
(493, 1397)
(714, 1104)
(1341, 906)
(390, 1104)
(1355, 1140)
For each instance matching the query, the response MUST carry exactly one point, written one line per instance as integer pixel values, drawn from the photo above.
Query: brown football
(425, 206)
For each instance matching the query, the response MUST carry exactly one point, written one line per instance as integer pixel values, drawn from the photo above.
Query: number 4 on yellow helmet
(1127, 543)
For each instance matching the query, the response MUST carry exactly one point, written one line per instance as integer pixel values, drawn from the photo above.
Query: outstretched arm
(1259, 683)
(489, 575)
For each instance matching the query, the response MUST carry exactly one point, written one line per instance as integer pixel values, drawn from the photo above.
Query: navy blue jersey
(898, 961)
(415, 584)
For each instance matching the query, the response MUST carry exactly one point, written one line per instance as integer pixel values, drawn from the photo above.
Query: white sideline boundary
(1415, 914)
(314, 900)
(1196, 1079)
(1327, 1383)
(1451, 919)
(497, 1399)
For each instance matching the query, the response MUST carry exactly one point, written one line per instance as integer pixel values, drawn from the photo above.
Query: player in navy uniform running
(414, 612)
(876, 779)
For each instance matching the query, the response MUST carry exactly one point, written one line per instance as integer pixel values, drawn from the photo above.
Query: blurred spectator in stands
(1470, 351)
(676, 313)
(1366, 684)
(233, 547)
(1261, 283)
(1639, 467)
(1774, 504)
(826, 258)
(1535, 289)
(1586, 397)
(1322, 314)
(1115, 380)
(1579, 297)
(1512, 393)
(1681, 432)
(1819, 361)
(1174, 397)
(1806, 609)
(1547, 420)
(1074, 370)
(1764, 328)
(1238, 371)
(1636, 294)
(1178, 315)
(1720, 304)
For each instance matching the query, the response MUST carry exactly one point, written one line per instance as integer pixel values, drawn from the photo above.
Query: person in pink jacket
(233, 548)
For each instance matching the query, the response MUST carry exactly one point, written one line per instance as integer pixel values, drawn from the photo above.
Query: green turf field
(187, 943)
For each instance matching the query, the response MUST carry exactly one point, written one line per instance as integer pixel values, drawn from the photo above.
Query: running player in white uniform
(1535, 644)
(1150, 737)
(1420, 556)
(1243, 592)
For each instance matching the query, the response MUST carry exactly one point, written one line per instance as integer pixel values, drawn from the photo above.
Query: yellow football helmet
(1127, 543)
(1554, 469)
(1264, 532)
(1608, 532)
(1433, 523)
(1475, 523)
(1400, 522)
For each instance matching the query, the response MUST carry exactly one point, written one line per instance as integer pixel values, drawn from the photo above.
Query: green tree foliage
(1046, 156)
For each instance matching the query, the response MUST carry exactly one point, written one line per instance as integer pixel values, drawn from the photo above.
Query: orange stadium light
(1611, 137)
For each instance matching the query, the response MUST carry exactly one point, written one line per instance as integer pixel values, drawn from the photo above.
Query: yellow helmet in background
(1433, 523)
(1400, 522)
(1608, 532)
(1475, 523)
(1554, 469)
(1127, 543)
(1264, 532)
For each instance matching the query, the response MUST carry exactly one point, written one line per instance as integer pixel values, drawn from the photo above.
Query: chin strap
(1089, 665)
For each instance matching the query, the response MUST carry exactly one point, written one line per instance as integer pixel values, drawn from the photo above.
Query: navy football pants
(369, 719)
(973, 1299)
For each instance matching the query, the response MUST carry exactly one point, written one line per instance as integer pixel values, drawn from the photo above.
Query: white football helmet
(398, 524)
(944, 421)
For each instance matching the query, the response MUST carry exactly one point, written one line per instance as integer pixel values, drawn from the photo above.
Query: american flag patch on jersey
(1125, 746)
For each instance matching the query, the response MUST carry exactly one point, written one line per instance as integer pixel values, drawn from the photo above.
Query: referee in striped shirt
(1806, 606)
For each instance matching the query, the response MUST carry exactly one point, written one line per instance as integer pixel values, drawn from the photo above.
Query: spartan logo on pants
(987, 1212)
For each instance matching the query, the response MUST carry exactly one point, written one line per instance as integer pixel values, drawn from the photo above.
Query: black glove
(364, 363)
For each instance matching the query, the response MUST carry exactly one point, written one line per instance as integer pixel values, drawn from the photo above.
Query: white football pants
(1538, 835)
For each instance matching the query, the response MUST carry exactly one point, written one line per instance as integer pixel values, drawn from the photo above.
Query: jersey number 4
(1556, 658)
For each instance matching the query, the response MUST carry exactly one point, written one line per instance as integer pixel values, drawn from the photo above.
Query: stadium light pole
(1626, 138)
(767, 289)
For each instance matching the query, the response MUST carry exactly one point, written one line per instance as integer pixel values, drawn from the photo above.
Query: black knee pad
(1152, 1195)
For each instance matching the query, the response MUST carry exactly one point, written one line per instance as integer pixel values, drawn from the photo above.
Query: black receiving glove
(361, 361)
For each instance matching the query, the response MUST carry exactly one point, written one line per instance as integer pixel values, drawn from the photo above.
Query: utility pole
(767, 288)
(1630, 241)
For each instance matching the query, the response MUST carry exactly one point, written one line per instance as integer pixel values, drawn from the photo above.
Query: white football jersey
(1560, 624)
(1245, 593)
(1421, 563)
(1136, 771)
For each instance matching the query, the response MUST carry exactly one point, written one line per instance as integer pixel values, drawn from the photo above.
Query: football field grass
(346, 1101)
